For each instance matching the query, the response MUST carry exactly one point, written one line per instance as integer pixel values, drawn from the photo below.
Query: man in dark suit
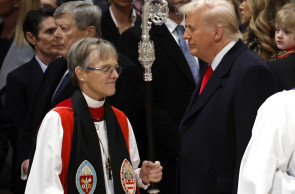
(172, 87)
(284, 70)
(216, 127)
(23, 82)
(70, 29)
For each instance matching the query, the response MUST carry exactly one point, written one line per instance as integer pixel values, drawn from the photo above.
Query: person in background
(19, 52)
(284, 66)
(49, 3)
(71, 130)
(13, 55)
(216, 127)
(9, 12)
(236, 5)
(119, 17)
(23, 82)
(259, 16)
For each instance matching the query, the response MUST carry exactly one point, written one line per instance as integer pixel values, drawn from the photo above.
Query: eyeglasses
(108, 70)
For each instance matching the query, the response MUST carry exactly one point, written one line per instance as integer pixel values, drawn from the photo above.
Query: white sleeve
(133, 150)
(47, 164)
(134, 157)
(264, 167)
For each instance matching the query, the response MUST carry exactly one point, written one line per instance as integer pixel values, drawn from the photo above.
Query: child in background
(284, 29)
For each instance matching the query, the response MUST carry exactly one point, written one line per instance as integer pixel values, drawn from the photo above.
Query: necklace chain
(107, 162)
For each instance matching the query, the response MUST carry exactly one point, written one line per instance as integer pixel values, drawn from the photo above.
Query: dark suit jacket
(284, 70)
(109, 29)
(217, 125)
(172, 87)
(41, 105)
(22, 85)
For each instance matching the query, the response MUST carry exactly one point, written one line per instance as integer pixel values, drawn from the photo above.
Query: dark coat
(172, 87)
(217, 125)
(21, 86)
(284, 71)
(109, 29)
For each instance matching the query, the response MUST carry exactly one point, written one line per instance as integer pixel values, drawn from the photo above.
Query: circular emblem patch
(86, 178)
(127, 177)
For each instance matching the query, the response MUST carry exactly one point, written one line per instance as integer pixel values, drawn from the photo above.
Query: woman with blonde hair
(259, 15)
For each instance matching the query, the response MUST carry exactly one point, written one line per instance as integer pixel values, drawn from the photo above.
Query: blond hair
(25, 7)
(261, 25)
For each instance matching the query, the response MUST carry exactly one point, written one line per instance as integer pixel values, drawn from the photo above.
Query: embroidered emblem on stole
(86, 179)
(127, 177)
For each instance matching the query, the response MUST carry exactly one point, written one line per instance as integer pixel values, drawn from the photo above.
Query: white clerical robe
(47, 163)
(268, 164)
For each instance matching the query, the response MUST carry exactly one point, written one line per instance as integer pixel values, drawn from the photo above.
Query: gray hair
(84, 50)
(216, 12)
(85, 14)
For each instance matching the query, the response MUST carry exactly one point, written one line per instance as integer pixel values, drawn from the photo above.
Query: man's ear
(91, 32)
(79, 73)
(31, 38)
(218, 33)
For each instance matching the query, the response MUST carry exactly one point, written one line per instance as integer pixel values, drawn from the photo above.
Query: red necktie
(206, 77)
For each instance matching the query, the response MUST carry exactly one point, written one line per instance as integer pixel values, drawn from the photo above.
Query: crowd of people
(73, 109)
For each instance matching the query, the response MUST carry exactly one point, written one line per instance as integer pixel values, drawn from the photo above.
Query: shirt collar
(171, 25)
(93, 103)
(221, 54)
(42, 65)
(133, 17)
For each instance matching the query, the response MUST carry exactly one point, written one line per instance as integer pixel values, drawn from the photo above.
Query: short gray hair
(83, 51)
(217, 12)
(85, 14)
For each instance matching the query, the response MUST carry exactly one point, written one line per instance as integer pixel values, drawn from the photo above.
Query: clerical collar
(93, 103)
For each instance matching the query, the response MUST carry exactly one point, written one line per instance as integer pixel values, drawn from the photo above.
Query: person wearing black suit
(119, 17)
(23, 82)
(172, 87)
(47, 96)
(284, 71)
(217, 125)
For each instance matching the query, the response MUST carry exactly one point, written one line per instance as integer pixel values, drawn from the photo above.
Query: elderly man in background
(216, 127)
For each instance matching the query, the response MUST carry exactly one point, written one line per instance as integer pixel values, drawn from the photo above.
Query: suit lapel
(35, 71)
(222, 71)
(162, 38)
